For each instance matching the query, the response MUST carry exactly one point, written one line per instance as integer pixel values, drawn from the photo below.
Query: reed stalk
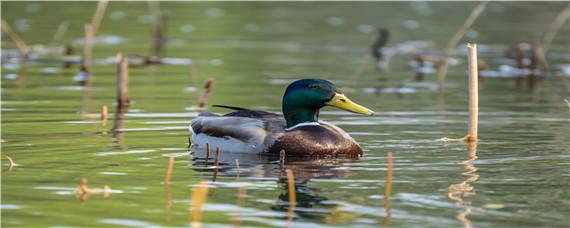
(217, 161)
(20, 44)
(122, 80)
(554, 28)
(473, 98)
(98, 16)
(205, 94)
(473, 93)
(199, 197)
(207, 153)
(216, 165)
(442, 70)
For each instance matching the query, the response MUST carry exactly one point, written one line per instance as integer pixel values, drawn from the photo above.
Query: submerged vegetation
(154, 65)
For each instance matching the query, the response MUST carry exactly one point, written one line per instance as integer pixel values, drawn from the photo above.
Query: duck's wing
(256, 129)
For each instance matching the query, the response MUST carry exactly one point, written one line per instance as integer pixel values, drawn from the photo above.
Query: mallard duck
(298, 131)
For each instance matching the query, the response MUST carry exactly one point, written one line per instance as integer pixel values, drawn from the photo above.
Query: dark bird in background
(376, 49)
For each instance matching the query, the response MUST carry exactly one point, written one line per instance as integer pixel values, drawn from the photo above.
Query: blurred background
(384, 55)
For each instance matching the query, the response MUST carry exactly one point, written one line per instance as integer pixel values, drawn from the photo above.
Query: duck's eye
(313, 87)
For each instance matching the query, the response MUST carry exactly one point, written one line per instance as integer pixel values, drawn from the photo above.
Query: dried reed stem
(169, 171)
(20, 44)
(60, 32)
(122, 80)
(104, 114)
(206, 93)
(216, 164)
(98, 16)
(473, 93)
(83, 186)
(217, 161)
(199, 197)
(388, 189)
(553, 29)
(442, 70)
(292, 195)
(207, 153)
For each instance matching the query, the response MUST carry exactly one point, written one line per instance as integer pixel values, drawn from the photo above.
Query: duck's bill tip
(342, 102)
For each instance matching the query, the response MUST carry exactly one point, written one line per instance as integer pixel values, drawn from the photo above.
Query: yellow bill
(341, 101)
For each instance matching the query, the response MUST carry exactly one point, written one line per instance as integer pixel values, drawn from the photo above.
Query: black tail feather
(230, 107)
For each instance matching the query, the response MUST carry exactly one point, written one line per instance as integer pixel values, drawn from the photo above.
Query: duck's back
(245, 131)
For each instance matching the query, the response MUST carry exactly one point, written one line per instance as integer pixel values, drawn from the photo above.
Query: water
(516, 176)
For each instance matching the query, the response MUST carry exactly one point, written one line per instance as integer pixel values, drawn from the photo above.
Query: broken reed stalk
(169, 171)
(104, 114)
(158, 27)
(122, 80)
(442, 70)
(292, 195)
(207, 153)
(206, 93)
(473, 93)
(217, 161)
(98, 16)
(199, 197)
(216, 164)
(20, 44)
(60, 32)
(473, 98)
(388, 188)
(553, 29)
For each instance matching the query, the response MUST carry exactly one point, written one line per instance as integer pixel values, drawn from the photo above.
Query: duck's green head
(303, 99)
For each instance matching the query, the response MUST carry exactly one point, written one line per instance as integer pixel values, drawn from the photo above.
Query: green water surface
(518, 176)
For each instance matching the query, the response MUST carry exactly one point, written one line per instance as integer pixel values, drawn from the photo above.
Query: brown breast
(316, 141)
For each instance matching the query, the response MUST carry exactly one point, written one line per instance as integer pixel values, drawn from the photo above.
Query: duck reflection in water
(304, 169)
